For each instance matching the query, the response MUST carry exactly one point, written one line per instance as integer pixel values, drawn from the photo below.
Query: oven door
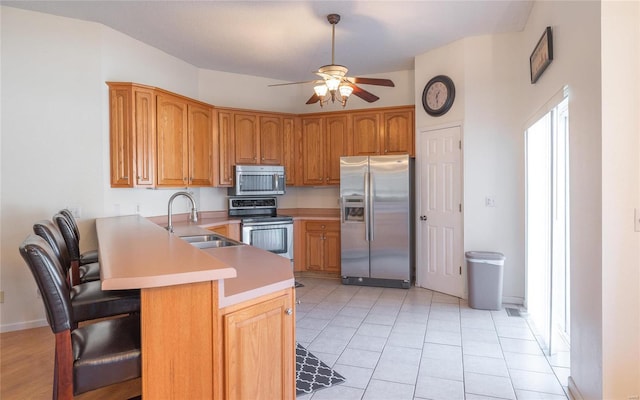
(274, 237)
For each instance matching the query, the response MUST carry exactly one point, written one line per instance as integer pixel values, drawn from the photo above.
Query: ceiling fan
(335, 85)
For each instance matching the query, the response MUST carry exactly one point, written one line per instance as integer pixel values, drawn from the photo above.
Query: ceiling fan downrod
(333, 20)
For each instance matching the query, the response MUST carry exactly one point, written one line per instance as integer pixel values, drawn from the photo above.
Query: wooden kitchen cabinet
(158, 138)
(258, 139)
(271, 140)
(184, 142)
(398, 135)
(132, 138)
(259, 343)
(226, 148)
(289, 149)
(385, 131)
(324, 141)
(246, 138)
(232, 231)
(366, 134)
(251, 138)
(322, 246)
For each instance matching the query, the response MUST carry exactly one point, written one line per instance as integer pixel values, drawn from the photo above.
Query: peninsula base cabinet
(194, 350)
(259, 350)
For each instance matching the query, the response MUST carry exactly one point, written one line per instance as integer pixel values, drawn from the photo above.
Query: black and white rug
(312, 374)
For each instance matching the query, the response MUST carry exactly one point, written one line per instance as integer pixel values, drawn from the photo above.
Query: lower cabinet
(259, 349)
(232, 231)
(322, 246)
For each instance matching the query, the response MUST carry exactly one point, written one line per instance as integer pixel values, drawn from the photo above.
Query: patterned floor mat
(312, 374)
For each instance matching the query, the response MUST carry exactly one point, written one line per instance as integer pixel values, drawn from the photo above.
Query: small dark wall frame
(542, 55)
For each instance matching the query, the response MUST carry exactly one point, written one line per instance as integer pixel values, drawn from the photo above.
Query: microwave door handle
(275, 181)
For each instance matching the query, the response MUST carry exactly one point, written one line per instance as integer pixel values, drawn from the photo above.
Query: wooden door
(246, 138)
(172, 141)
(271, 140)
(226, 148)
(398, 133)
(366, 134)
(332, 247)
(288, 149)
(314, 250)
(259, 345)
(120, 139)
(312, 151)
(200, 146)
(336, 147)
(144, 131)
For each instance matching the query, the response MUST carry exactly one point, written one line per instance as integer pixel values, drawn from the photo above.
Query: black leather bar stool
(81, 269)
(88, 300)
(89, 357)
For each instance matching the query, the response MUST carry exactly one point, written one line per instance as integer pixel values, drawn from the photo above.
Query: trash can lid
(484, 255)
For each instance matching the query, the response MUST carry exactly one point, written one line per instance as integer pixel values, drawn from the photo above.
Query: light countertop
(136, 253)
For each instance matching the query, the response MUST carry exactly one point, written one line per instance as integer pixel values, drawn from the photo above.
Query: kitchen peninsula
(216, 323)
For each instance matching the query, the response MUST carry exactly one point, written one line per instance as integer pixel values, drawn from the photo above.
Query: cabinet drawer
(323, 226)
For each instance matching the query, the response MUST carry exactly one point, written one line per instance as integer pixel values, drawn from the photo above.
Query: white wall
(494, 99)
(620, 195)
(488, 81)
(576, 47)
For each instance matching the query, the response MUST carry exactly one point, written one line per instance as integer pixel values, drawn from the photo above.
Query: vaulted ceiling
(288, 40)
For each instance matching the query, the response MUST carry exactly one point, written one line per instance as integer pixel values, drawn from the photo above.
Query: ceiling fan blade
(373, 81)
(363, 94)
(291, 83)
(313, 99)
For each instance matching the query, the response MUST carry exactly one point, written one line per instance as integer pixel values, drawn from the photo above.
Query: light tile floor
(419, 344)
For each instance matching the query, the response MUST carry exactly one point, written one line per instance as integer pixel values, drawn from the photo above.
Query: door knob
(288, 311)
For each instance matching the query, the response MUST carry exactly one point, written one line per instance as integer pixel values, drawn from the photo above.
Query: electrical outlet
(1, 296)
(489, 201)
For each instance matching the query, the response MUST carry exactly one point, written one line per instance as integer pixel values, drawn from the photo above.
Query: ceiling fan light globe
(332, 84)
(345, 92)
(321, 90)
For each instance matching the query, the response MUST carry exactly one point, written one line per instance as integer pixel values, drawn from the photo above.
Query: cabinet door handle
(288, 311)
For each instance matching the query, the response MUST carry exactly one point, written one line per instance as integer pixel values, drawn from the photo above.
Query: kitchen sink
(209, 241)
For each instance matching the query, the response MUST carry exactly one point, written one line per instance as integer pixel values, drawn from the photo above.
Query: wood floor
(26, 369)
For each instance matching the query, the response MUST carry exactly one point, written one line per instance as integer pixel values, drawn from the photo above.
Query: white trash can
(485, 270)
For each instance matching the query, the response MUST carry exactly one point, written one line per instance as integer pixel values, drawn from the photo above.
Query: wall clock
(438, 95)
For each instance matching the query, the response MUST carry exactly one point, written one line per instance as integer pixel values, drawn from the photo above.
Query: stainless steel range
(262, 227)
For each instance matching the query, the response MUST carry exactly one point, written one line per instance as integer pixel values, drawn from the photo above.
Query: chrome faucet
(194, 211)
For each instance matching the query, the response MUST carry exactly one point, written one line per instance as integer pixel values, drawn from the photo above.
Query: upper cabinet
(398, 135)
(254, 138)
(158, 139)
(324, 141)
(132, 139)
(162, 139)
(384, 131)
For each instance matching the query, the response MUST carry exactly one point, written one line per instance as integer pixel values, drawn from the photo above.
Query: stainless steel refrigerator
(377, 230)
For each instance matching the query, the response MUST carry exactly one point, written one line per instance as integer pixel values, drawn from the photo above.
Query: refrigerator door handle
(367, 202)
(371, 209)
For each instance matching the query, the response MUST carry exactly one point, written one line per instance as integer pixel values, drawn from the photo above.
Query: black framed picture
(542, 55)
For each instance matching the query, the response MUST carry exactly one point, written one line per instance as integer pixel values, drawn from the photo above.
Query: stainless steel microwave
(258, 180)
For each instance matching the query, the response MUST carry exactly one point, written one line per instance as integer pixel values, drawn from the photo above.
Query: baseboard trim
(20, 326)
(574, 393)
(513, 300)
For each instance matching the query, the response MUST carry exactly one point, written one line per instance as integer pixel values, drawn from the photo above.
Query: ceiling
(289, 40)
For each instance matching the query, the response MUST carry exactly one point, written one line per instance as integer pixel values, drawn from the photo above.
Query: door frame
(418, 191)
